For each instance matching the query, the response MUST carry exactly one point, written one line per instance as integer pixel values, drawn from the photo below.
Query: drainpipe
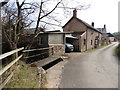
(80, 43)
(86, 37)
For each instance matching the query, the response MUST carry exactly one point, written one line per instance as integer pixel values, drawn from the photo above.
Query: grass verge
(97, 47)
(25, 77)
(117, 50)
(43, 81)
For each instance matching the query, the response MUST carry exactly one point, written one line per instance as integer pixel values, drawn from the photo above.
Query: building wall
(57, 49)
(83, 42)
(111, 39)
(92, 42)
(56, 38)
(100, 39)
(74, 25)
(43, 40)
(57, 41)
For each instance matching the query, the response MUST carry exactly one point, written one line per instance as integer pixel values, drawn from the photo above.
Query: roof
(110, 35)
(53, 31)
(57, 32)
(103, 30)
(69, 36)
(83, 23)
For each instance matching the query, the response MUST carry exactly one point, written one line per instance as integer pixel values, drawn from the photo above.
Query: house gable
(77, 25)
(74, 25)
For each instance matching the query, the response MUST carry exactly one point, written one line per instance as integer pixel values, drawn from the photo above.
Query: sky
(101, 12)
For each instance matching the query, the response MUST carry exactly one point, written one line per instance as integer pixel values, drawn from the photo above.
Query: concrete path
(94, 69)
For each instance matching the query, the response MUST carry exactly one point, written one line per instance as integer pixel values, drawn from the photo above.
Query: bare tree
(18, 17)
(4, 2)
(15, 19)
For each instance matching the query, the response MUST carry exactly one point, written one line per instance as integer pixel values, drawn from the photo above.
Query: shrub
(118, 50)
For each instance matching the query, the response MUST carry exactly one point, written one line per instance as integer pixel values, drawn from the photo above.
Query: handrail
(36, 49)
(10, 53)
(9, 65)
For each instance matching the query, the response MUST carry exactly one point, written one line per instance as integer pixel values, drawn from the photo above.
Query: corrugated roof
(69, 36)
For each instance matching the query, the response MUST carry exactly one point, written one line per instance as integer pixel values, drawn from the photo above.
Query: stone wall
(82, 42)
(74, 25)
(56, 49)
(93, 39)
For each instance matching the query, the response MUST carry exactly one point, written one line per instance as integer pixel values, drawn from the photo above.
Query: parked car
(69, 47)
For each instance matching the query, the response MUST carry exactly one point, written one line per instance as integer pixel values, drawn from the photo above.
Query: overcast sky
(101, 12)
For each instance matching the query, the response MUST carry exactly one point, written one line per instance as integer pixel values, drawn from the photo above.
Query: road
(93, 69)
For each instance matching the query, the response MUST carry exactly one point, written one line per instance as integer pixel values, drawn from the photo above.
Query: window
(39, 40)
(84, 41)
(96, 41)
(91, 42)
(92, 32)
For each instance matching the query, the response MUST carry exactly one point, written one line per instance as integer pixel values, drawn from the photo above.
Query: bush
(118, 50)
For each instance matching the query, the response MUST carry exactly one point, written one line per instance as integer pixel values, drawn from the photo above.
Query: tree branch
(51, 10)
(38, 18)
(4, 2)
(51, 23)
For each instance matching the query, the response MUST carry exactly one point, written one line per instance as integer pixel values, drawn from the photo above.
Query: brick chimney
(74, 13)
(104, 26)
(92, 24)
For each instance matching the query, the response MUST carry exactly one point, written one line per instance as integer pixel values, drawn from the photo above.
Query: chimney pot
(93, 24)
(74, 13)
(104, 26)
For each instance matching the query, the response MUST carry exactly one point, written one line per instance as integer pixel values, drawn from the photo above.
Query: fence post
(52, 50)
(15, 59)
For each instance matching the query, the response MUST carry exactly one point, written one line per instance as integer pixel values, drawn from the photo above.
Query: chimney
(93, 24)
(104, 26)
(74, 13)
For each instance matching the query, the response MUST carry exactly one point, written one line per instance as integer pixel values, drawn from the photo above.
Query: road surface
(93, 69)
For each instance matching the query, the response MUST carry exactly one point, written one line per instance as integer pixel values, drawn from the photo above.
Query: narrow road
(93, 69)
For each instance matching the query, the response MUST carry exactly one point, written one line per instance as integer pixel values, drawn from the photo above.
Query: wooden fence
(7, 67)
(38, 54)
(33, 54)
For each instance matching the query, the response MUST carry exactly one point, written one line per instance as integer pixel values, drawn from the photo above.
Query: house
(103, 30)
(110, 37)
(87, 36)
(105, 39)
(45, 39)
(53, 39)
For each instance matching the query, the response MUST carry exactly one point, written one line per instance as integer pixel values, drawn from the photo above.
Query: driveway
(93, 69)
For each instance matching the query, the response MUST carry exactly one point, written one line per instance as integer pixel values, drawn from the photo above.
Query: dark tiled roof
(110, 35)
(53, 31)
(103, 30)
(83, 23)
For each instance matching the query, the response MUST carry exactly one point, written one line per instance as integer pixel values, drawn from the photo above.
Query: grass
(43, 81)
(96, 48)
(117, 50)
(25, 77)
